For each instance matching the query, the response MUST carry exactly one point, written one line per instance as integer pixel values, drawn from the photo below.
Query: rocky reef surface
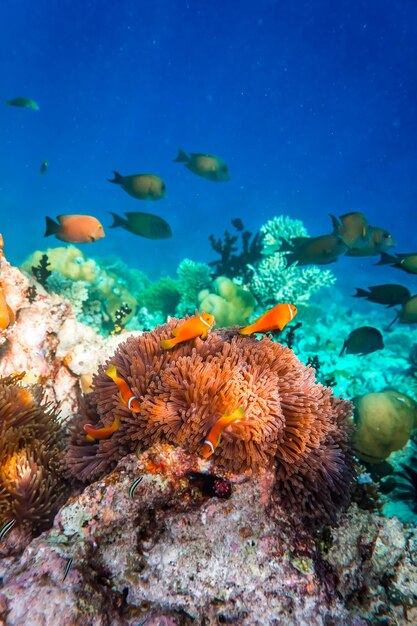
(168, 556)
(164, 554)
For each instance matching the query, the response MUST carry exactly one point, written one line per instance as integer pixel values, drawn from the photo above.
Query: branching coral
(31, 487)
(279, 228)
(271, 280)
(290, 421)
(234, 263)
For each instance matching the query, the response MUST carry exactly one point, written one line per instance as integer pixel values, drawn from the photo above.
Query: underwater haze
(312, 104)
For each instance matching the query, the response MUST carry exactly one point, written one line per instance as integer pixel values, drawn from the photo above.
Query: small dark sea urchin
(291, 422)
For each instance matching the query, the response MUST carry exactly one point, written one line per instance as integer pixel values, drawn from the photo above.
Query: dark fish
(390, 295)
(67, 568)
(44, 167)
(380, 240)
(407, 313)
(207, 166)
(144, 225)
(134, 485)
(6, 528)
(238, 224)
(363, 340)
(141, 186)
(25, 103)
(353, 229)
(210, 485)
(406, 262)
(313, 250)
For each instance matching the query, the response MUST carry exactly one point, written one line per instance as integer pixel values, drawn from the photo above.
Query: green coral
(230, 303)
(192, 278)
(163, 295)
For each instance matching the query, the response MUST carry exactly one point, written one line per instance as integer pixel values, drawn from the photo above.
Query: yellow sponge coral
(384, 422)
(229, 303)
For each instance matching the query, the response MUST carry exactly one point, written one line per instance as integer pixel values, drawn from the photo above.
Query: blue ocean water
(311, 103)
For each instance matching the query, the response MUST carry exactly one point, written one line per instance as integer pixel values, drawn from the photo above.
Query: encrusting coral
(229, 303)
(31, 483)
(384, 422)
(291, 422)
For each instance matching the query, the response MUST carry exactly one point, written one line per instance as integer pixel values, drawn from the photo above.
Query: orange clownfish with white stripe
(126, 394)
(274, 319)
(95, 434)
(213, 438)
(196, 326)
(127, 397)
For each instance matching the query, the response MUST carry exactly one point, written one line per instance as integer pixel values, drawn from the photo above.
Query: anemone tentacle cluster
(291, 422)
(31, 486)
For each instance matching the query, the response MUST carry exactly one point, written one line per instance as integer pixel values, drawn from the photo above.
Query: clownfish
(94, 434)
(196, 326)
(215, 434)
(6, 314)
(274, 319)
(125, 392)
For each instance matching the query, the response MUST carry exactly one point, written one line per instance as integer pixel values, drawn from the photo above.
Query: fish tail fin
(335, 222)
(182, 157)
(118, 220)
(391, 323)
(118, 178)
(9, 103)
(167, 344)
(360, 293)
(285, 246)
(51, 227)
(291, 259)
(247, 330)
(386, 259)
(111, 371)
(343, 348)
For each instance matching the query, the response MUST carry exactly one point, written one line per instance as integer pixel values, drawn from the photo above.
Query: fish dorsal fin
(64, 218)
(175, 331)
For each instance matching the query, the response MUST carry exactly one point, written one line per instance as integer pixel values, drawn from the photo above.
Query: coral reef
(271, 281)
(231, 264)
(31, 481)
(289, 419)
(230, 303)
(192, 278)
(96, 290)
(172, 557)
(48, 342)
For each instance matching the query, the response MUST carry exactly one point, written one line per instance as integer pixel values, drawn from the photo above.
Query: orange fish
(275, 319)
(6, 314)
(196, 326)
(214, 436)
(75, 228)
(126, 394)
(94, 434)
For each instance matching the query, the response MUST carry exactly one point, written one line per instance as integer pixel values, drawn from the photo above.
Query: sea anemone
(30, 478)
(291, 422)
